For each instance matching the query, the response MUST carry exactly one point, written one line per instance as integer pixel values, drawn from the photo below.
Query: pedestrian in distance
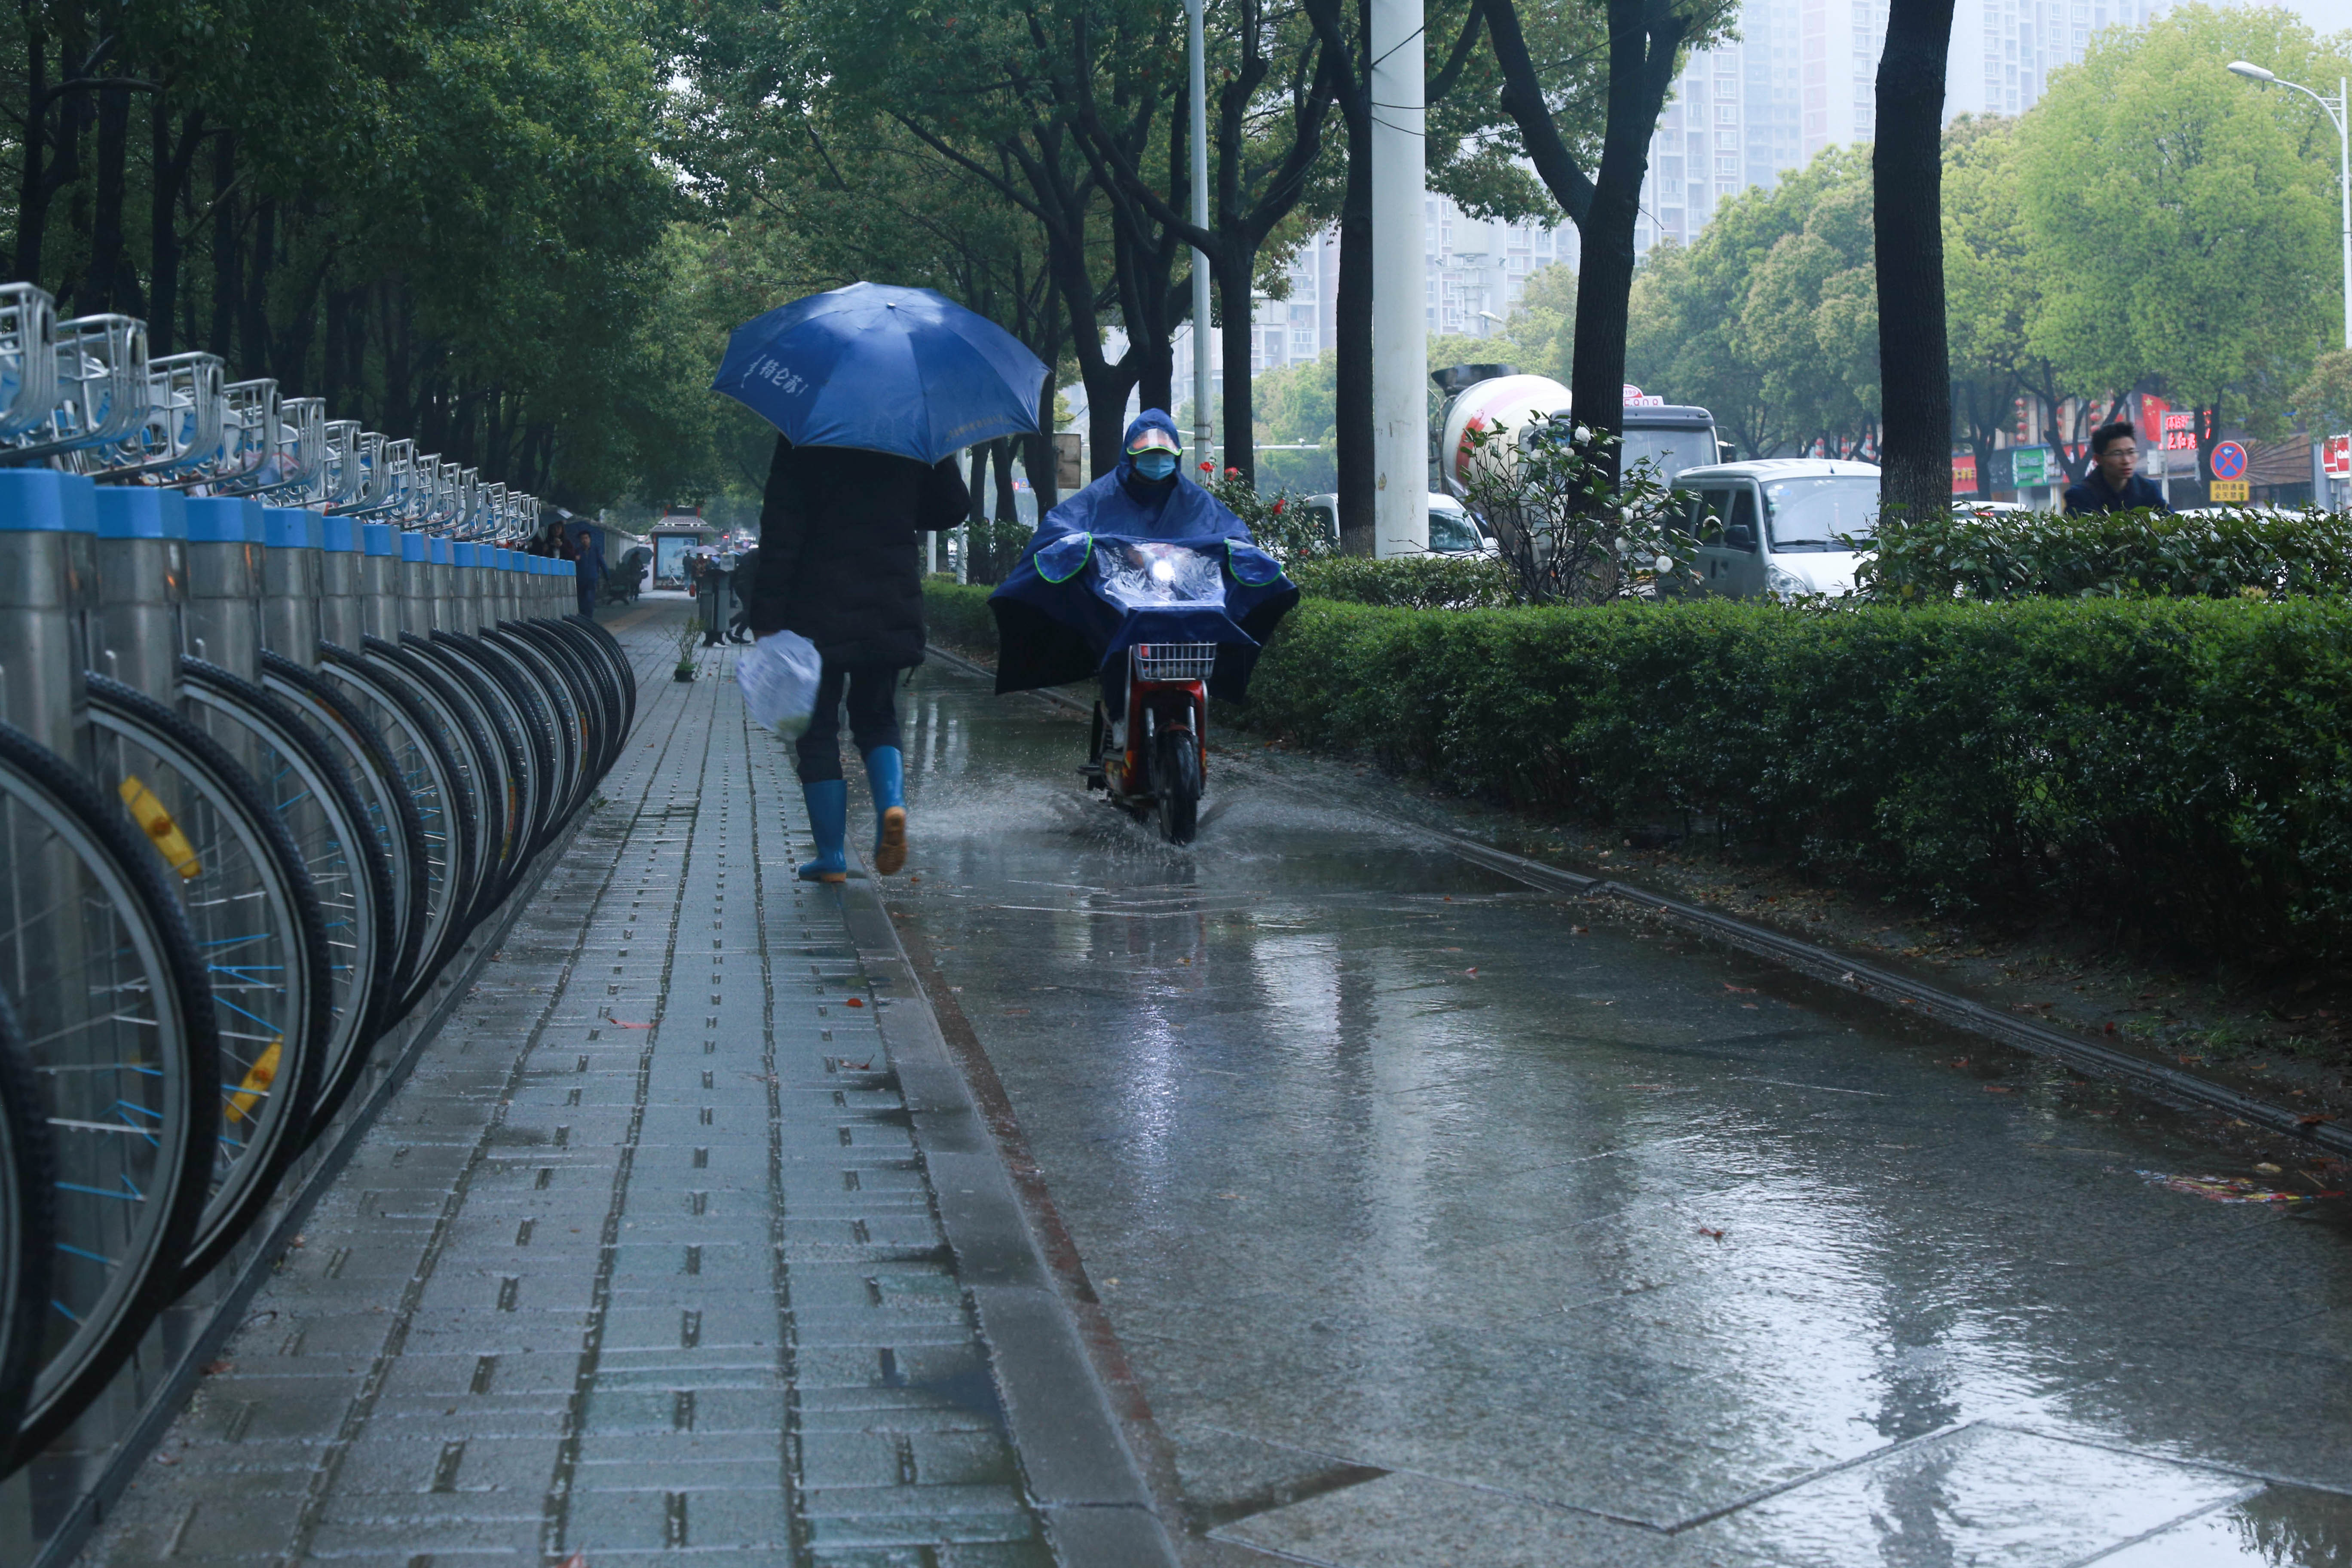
(586, 569)
(839, 564)
(2114, 483)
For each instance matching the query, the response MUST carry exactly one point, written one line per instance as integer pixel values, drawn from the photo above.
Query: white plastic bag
(779, 675)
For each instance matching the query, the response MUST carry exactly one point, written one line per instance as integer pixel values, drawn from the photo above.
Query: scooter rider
(1054, 627)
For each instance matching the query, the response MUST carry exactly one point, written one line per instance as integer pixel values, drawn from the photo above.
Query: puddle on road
(1382, 1160)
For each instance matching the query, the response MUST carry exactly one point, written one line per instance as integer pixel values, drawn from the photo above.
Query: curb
(1857, 977)
(1081, 1476)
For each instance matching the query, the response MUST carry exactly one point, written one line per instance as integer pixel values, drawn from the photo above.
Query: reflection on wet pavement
(1440, 1229)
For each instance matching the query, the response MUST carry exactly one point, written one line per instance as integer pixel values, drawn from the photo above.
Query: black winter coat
(2089, 496)
(839, 557)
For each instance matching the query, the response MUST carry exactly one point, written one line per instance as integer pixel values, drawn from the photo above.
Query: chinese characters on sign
(1964, 475)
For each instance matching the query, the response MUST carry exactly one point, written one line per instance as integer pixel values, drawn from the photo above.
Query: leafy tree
(1988, 281)
(1644, 49)
(2181, 220)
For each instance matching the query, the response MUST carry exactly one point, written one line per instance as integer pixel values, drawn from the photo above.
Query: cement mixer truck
(1497, 398)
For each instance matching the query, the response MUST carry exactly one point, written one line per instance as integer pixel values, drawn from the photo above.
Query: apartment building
(1801, 76)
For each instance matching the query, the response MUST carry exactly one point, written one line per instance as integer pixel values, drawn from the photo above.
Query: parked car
(1454, 529)
(1779, 525)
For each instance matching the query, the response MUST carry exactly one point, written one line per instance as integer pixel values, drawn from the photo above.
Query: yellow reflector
(149, 814)
(257, 1083)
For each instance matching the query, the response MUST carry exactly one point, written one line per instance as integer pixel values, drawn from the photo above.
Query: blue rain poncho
(1085, 588)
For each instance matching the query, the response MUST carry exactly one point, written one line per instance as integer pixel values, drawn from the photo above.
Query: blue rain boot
(828, 809)
(885, 776)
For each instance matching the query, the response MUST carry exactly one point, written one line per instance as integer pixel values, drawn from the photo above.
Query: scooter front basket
(1173, 660)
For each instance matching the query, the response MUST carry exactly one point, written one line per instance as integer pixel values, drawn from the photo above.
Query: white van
(1779, 525)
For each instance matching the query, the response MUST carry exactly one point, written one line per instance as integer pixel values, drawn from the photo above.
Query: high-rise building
(1803, 76)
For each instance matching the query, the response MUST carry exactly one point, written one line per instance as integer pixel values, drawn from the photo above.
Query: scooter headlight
(1163, 572)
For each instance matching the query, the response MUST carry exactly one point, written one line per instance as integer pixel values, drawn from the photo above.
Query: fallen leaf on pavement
(214, 1368)
(1999, 1089)
(1710, 1232)
(1743, 990)
(855, 1002)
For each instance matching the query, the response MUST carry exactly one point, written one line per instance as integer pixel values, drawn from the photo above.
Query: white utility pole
(1400, 287)
(1203, 437)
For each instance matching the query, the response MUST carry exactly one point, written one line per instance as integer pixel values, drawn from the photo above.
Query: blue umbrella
(887, 369)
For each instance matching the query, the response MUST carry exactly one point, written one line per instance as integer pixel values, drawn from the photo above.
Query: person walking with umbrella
(873, 390)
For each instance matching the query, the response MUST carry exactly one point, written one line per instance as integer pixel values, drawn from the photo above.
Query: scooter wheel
(1176, 781)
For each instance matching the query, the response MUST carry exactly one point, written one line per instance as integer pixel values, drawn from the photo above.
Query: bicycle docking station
(290, 729)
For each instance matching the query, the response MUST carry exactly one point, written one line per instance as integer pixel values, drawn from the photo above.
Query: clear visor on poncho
(1141, 576)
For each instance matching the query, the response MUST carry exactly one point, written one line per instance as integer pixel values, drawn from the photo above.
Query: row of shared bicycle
(284, 716)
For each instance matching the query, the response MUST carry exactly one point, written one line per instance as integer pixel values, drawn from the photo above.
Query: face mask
(1155, 465)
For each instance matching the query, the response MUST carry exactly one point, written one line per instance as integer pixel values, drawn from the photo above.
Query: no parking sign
(2229, 461)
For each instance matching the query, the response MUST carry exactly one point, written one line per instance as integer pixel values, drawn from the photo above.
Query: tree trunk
(112, 285)
(1008, 505)
(253, 326)
(1642, 44)
(1039, 454)
(1906, 207)
(227, 259)
(975, 532)
(172, 158)
(32, 176)
(1352, 400)
(1233, 275)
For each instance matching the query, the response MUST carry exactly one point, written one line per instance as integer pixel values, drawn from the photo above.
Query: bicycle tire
(327, 821)
(526, 708)
(485, 764)
(117, 1016)
(430, 778)
(276, 977)
(391, 809)
(589, 667)
(510, 751)
(578, 717)
(618, 658)
(28, 1178)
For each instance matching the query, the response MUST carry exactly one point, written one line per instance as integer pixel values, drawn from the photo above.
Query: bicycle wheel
(517, 690)
(258, 928)
(28, 1180)
(611, 648)
(323, 814)
(579, 722)
(513, 748)
(118, 1018)
(392, 811)
(605, 693)
(430, 778)
(601, 695)
(482, 766)
(578, 726)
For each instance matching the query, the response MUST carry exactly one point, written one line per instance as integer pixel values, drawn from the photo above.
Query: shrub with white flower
(1569, 537)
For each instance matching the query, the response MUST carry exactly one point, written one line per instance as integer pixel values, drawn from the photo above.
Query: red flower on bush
(1207, 467)
(1233, 473)
(1277, 508)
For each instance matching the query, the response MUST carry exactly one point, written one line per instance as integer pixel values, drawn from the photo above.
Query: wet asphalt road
(1439, 1228)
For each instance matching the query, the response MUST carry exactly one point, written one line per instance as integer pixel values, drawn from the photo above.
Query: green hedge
(957, 617)
(2238, 553)
(2178, 771)
(1408, 582)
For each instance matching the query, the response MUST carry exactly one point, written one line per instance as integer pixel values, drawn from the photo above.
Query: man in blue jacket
(2114, 483)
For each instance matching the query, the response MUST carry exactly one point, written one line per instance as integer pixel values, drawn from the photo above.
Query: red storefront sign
(1964, 475)
(2180, 432)
(2335, 457)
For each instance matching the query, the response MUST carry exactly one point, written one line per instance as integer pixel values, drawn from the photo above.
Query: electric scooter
(1157, 760)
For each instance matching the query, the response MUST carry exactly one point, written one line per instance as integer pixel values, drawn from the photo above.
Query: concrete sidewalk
(651, 1258)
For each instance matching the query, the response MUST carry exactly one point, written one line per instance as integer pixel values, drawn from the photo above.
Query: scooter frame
(1158, 706)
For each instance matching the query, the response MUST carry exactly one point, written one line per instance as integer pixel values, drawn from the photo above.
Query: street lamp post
(2336, 116)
